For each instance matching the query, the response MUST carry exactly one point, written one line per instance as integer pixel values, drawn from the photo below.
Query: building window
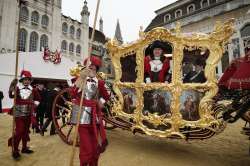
(35, 18)
(64, 46)
(78, 50)
(178, 13)
(245, 35)
(65, 27)
(245, 31)
(204, 3)
(24, 14)
(45, 21)
(43, 42)
(71, 47)
(167, 17)
(72, 30)
(235, 46)
(191, 8)
(33, 41)
(22, 40)
(78, 33)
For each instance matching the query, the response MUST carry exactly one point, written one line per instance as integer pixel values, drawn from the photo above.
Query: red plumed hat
(25, 74)
(94, 61)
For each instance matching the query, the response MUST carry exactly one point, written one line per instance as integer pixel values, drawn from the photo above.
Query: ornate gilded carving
(214, 42)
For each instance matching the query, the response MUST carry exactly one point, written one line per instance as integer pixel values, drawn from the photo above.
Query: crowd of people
(34, 104)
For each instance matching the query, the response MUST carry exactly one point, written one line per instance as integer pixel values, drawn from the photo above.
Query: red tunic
(92, 136)
(27, 99)
(163, 72)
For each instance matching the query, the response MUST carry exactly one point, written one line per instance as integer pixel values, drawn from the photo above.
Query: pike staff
(82, 86)
(20, 4)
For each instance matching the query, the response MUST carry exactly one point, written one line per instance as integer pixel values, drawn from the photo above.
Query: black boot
(16, 155)
(27, 151)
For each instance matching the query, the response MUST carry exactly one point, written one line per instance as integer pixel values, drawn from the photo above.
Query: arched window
(33, 41)
(191, 8)
(43, 42)
(24, 14)
(71, 47)
(22, 40)
(65, 27)
(78, 33)
(72, 30)
(45, 21)
(35, 17)
(78, 49)
(245, 35)
(204, 3)
(167, 17)
(64, 46)
(245, 31)
(178, 13)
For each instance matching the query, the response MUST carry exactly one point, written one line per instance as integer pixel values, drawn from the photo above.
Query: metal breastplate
(25, 109)
(22, 110)
(90, 91)
(85, 115)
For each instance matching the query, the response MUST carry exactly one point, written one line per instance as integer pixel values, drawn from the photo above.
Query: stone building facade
(201, 16)
(44, 26)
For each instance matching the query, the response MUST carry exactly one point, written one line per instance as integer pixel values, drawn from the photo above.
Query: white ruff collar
(25, 92)
(21, 86)
(94, 78)
(156, 65)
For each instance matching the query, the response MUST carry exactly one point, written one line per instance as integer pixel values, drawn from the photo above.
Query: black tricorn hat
(165, 46)
(157, 44)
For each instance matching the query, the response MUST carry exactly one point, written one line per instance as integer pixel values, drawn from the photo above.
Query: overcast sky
(131, 14)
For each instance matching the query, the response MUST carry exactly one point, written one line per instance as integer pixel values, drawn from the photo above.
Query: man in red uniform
(156, 65)
(93, 139)
(27, 99)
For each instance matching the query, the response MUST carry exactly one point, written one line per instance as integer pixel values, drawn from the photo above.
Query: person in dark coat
(1, 98)
(198, 75)
(42, 106)
(50, 96)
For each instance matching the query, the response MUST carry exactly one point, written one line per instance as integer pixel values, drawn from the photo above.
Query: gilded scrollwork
(214, 42)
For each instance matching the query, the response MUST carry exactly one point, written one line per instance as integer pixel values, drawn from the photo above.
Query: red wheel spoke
(68, 134)
(64, 125)
(64, 99)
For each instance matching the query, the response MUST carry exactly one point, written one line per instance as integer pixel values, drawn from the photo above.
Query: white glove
(36, 103)
(102, 100)
(148, 80)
